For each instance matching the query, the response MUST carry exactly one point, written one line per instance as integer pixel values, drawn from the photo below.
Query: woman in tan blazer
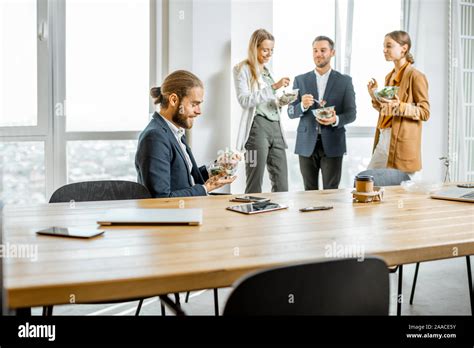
(397, 141)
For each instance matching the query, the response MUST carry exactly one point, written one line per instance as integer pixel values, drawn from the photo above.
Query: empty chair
(386, 176)
(107, 190)
(335, 287)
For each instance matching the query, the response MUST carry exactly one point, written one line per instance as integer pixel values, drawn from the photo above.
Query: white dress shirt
(321, 82)
(178, 132)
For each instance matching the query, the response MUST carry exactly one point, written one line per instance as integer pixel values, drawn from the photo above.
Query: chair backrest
(100, 191)
(386, 176)
(335, 287)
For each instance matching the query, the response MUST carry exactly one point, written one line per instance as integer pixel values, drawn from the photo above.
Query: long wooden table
(140, 261)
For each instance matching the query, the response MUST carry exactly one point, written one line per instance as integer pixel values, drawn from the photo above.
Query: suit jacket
(405, 141)
(161, 165)
(339, 93)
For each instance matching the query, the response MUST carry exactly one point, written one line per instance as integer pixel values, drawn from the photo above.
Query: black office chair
(108, 190)
(335, 287)
(390, 177)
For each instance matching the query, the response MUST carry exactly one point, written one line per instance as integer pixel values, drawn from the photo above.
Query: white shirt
(178, 133)
(322, 82)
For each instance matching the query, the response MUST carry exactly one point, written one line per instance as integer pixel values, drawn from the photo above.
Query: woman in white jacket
(260, 135)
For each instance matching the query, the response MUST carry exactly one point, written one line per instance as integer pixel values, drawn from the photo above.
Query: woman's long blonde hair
(256, 40)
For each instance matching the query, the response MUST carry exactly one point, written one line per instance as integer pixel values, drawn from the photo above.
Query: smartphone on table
(315, 208)
(249, 199)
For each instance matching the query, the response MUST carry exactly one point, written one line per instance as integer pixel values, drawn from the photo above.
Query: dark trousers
(331, 168)
(267, 149)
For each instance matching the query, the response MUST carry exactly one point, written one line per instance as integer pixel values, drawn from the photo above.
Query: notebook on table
(135, 216)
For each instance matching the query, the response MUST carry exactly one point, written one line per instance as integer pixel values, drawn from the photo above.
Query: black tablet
(256, 208)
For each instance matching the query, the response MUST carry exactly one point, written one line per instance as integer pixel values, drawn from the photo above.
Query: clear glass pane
(101, 160)
(295, 180)
(359, 153)
(22, 173)
(295, 25)
(18, 63)
(367, 60)
(107, 64)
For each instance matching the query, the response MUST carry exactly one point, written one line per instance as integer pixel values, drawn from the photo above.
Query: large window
(101, 160)
(295, 25)
(359, 36)
(24, 88)
(367, 59)
(74, 84)
(107, 86)
(107, 65)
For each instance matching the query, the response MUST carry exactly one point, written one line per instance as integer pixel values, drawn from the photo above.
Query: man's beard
(180, 119)
(323, 64)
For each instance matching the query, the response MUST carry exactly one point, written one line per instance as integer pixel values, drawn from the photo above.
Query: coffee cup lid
(364, 178)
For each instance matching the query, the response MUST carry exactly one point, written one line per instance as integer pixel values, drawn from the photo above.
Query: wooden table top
(140, 261)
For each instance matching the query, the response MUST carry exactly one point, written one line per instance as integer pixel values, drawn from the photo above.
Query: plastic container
(425, 187)
(324, 113)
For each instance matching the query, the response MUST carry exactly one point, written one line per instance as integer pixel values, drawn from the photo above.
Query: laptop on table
(135, 216)
(455, 194)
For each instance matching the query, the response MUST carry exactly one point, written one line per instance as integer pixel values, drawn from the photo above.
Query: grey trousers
(265, 147)
(331, 168)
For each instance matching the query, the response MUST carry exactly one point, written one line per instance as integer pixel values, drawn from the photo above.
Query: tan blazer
(405, 143)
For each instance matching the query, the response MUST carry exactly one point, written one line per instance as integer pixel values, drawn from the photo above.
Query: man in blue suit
(321, 143)
(164, 161)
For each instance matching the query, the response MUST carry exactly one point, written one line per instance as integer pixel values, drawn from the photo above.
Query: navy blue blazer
(339, 93)
(161, 165)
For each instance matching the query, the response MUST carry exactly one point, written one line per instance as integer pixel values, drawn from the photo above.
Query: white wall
(200, 42)
(211, 62)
